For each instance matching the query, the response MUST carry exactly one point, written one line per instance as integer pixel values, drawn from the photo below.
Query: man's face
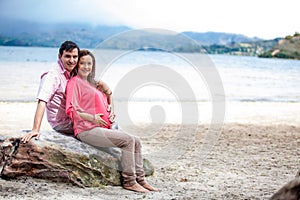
(69, 59)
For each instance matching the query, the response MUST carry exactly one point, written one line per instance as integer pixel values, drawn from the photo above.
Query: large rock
(290, 191)
(61, 158)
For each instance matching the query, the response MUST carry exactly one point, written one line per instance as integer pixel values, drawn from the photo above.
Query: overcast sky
(262, 18)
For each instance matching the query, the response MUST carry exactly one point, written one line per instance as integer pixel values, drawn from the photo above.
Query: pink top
(52, 91)
(83, 97)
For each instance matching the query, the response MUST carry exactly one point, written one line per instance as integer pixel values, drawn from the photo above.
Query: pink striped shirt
(52, 91)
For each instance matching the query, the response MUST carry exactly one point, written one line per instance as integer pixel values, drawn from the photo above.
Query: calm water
(243, 78)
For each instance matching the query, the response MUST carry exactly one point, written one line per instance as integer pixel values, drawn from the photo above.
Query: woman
(87, 108)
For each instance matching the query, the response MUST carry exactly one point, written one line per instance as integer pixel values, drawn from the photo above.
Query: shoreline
(252, 157)
(15, 116)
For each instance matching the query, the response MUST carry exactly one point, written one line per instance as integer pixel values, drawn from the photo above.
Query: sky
(265, 19)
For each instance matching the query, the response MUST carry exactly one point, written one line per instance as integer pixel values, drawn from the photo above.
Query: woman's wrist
(93, 117)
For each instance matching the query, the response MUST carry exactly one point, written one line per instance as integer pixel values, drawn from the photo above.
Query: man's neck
(67, 73)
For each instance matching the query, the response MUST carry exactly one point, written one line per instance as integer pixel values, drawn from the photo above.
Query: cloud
(53, 11)
(266, 19)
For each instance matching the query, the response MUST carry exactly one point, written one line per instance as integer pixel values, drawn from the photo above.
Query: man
(51, 95)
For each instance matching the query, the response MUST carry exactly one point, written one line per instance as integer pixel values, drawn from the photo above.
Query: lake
(162, 86)
(243, 78)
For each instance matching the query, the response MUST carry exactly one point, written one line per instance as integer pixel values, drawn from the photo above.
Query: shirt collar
(63, 70)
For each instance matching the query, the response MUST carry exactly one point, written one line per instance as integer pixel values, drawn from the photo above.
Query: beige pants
(131, 161)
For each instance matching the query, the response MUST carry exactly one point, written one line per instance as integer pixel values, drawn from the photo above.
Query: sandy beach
(256, 153)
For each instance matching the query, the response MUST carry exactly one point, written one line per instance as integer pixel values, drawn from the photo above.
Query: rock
(290, 191)
(61, 158)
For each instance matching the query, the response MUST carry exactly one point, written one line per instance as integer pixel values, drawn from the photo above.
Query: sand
(255, 153)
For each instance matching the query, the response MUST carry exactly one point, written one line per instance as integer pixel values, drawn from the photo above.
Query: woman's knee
(129, 141)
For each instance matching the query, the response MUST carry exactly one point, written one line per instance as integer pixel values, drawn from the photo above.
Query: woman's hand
(98, 120)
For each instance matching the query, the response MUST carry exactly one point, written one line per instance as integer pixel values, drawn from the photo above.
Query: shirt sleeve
(48, 86)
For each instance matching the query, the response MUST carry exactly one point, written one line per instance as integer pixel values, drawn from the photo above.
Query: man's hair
(68, 46)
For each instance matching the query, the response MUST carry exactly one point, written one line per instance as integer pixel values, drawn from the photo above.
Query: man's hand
(26, 138)
(112, 115)
(39, 113)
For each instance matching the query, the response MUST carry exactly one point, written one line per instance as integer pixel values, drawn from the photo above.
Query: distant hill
(24, 33)
(243, 48)
(232, 44)
(215, 38)
(288, 47)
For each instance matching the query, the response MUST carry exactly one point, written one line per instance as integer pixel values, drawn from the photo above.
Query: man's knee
(137, 141)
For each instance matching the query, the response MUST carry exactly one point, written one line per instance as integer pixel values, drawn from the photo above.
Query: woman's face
(85, 66)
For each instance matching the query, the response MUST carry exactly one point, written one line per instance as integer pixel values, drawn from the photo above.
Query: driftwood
(61, 158)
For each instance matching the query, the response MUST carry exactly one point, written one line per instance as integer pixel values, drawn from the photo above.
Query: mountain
(24, 33)
(231, 44)
(215, 38)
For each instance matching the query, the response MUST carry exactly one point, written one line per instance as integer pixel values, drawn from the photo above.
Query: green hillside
(289, 48)
(242, 48)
